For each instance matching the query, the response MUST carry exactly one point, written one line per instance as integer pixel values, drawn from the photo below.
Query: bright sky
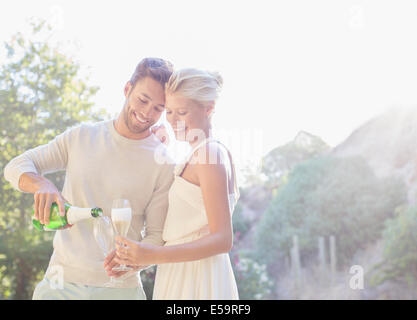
(324, 67)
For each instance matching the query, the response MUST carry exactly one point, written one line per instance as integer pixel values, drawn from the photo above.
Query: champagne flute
(104, 235)
(121, 215)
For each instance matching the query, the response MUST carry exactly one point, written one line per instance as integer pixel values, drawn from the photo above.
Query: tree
(281, 160)
(327, 196)
(399, 263)
(41, 95)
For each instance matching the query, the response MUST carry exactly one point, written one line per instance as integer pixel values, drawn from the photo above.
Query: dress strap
(198, 146)
(179, 170)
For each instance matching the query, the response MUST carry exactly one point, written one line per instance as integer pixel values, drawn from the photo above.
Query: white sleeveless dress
(211, 278)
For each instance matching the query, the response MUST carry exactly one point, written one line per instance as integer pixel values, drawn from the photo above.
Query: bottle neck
(97, 212)
(76, 214)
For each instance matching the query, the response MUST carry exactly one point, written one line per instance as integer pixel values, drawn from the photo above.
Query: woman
(194, 263)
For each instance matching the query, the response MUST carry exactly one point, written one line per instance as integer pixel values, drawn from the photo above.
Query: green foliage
(241, 224)
(24, 256)
(41, 95)
(148, 280)
(327, 196)
(251, 277)
(400, 250)
(283, 159)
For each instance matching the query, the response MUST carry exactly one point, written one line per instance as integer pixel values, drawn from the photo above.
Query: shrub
(241, 224)
(327, 196)
(400, 250)
(148, 280)
(252, 278)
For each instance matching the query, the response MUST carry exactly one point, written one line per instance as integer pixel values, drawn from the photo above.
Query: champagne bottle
(72, 215)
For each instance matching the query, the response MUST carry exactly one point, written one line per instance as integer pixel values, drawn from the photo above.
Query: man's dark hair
(158, 69)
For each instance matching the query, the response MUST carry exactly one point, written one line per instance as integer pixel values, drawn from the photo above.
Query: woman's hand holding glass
(135, 253)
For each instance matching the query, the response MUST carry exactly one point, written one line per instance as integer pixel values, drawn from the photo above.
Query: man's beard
(134, 127)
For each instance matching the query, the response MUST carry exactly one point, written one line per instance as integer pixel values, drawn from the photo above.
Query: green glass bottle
(72, 216)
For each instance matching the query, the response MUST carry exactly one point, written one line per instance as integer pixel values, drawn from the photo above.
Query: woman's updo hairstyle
(201, 86)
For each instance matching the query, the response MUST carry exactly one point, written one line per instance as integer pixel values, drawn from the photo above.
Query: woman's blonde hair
(200, 86)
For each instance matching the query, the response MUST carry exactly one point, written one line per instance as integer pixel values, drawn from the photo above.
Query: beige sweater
(101, 165)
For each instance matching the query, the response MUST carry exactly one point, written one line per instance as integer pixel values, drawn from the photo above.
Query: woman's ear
(210, 111)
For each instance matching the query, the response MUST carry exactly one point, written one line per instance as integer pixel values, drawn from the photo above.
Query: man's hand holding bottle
(44, 197)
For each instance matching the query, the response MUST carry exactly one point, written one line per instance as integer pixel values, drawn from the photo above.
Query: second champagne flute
(121, 215)
(104, 235)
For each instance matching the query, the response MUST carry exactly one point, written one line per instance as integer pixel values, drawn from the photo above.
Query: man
(103, 161)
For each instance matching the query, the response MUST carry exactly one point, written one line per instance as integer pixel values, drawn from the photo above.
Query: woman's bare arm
(213, 183)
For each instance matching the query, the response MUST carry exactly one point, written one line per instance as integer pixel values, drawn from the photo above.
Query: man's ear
(128, 88)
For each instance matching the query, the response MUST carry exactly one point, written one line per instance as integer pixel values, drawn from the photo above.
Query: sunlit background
(324, 68)
(320, 66)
